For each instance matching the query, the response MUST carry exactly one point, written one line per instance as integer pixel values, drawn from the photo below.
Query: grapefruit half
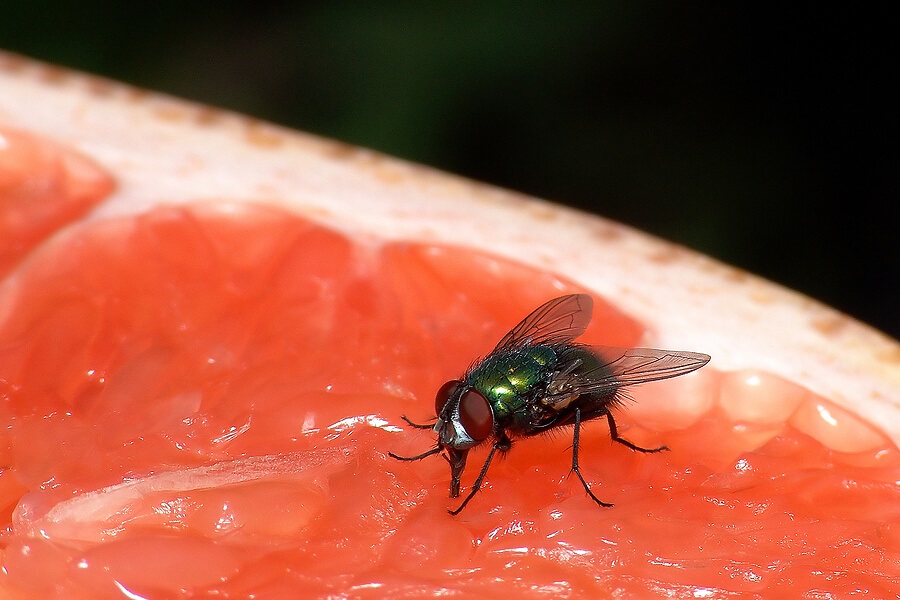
(210, 326)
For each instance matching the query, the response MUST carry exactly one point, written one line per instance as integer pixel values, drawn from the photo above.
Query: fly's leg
(502, 445)
(614, 434)
(575, 466)
(434, 450)
(477, 484)
(416, 425)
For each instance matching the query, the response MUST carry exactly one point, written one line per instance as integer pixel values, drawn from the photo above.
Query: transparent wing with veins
(616, 368)
(558, 321)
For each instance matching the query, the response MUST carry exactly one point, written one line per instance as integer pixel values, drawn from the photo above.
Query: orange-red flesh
(43, 186)
(201, 401)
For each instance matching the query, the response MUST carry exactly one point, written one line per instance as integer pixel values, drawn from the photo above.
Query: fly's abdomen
(509, 379)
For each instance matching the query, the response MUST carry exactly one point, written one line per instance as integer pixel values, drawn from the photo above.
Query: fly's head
(465, 417)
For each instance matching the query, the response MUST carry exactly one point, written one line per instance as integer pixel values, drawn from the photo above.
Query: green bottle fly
(537, 379)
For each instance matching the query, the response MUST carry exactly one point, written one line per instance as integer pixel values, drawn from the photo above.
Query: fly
(538, 379)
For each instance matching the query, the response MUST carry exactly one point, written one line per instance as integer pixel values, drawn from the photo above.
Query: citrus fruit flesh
(43, 186)
(200, 401)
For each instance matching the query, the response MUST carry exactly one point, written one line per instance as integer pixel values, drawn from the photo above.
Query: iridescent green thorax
(508, 379)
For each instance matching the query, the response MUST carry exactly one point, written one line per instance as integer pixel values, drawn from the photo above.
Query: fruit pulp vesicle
(43, 186)
(200, 402)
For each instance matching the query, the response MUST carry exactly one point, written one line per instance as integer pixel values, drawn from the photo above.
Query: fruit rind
(690, 300)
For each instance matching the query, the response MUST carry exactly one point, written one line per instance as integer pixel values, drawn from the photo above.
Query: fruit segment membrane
(200, 401)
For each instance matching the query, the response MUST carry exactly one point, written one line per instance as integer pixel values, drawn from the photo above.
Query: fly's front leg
(434, 450)
(503, 444)
(418, 456)
(614, 434)
(416, 425)
(575, 466)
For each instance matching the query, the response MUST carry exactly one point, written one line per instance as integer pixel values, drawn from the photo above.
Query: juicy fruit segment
(43, 186)
(243, 499)
(201, 402)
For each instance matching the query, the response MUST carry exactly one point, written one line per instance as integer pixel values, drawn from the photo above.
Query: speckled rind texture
(167, 151)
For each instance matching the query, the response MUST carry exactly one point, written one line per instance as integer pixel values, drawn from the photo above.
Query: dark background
(765, 136)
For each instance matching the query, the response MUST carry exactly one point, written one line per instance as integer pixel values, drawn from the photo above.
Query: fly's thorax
(509, 379)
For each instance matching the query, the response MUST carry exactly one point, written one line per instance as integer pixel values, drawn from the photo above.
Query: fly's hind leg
(575, 466)
(614, 434)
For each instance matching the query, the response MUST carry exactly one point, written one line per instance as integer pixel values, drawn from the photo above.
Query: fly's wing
(558, 321)
(602, 371)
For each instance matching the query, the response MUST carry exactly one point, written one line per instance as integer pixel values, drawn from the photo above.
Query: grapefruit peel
(167, 150)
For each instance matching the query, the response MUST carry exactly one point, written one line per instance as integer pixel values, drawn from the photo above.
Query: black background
(765, 136)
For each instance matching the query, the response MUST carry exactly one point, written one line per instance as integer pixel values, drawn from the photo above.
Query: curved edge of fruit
(165, 150)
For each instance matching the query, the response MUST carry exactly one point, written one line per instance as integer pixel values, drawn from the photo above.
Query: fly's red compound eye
(443, 395)
(475, 415)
